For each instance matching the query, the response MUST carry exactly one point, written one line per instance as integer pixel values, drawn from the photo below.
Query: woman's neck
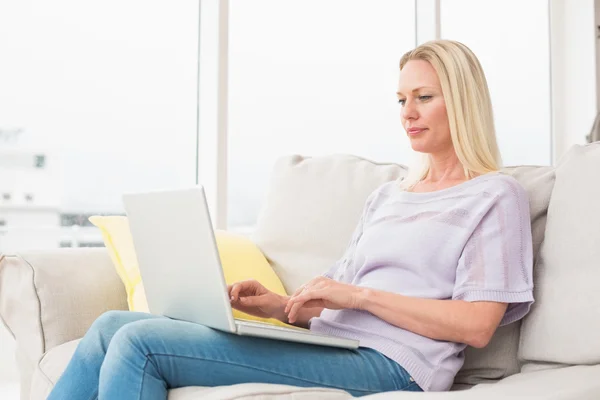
(445, 168)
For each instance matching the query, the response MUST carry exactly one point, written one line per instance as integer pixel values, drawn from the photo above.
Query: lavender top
(468, 242)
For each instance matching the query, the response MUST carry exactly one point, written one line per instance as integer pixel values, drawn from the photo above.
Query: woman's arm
(460, 321)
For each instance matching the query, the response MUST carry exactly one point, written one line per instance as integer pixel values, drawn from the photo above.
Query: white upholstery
(312, 207)
(50, 368)
(571, 383)
(564, 323)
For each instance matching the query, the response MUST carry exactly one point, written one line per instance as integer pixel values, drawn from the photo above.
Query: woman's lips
(415, 131)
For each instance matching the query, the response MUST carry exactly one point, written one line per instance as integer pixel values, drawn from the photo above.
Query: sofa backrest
(311, 209)
(564, 322)
(313, 205)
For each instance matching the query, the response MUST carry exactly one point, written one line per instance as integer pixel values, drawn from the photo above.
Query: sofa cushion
(45, 296)
(50, 368)
(257, 391)
(563, 324)
(571, 383)
(312, 207)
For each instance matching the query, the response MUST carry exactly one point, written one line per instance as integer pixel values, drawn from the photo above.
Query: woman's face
(423, 112)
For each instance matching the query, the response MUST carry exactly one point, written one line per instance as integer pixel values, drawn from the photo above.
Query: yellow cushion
(240, 257)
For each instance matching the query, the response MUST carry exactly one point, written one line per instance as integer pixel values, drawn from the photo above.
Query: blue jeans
(128, 355)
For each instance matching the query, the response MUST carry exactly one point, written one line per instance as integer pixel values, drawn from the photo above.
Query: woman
(437, 262)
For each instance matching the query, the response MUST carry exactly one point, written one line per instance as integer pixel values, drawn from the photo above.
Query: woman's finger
(294, 305)
(235, 291)
(308, 285)
(252, 301)
(299, 290)
(316, 286)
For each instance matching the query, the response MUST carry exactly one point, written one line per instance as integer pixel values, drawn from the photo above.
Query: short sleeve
(496, 263)
(336, 270)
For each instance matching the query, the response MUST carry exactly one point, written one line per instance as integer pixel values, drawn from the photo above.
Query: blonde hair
(468, 106)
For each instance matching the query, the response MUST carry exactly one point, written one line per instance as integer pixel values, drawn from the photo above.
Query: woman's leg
(79, 381)
(146, 358)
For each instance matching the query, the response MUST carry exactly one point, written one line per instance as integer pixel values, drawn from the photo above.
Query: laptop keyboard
(258, 324)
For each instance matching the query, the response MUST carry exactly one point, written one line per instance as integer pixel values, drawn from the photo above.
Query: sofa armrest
(51, 297)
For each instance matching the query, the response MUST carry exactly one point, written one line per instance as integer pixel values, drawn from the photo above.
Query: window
(102, 96)
(516, 61)
(314, 78)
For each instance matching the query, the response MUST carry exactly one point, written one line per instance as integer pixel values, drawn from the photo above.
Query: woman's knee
(157, 335)
(145, 331)
(111, 321)
(138, 339)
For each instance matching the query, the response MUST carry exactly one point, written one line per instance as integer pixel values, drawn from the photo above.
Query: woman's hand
(253, 298)
(324, 293)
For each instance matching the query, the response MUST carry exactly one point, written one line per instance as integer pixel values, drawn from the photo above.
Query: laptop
(181, 269)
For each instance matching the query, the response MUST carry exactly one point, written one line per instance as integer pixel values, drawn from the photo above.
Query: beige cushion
(45, 296)
(51, 297)
(499, 358)
(571, 383)
(50, 368)
(257, 391)
(564, 323)
(311, 210)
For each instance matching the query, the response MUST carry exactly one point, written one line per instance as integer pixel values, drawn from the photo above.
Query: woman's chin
(418, 145)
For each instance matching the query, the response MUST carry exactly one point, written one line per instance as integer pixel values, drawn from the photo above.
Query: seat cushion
(50, 368)
(571, 383)
(563, 324)
(257, 391)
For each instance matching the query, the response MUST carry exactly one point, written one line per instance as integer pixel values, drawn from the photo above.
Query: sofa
(48, 299)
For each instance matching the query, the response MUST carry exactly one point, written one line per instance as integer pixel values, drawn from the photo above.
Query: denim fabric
(127, 355)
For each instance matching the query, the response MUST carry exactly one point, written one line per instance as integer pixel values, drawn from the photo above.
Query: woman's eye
(424, 98)
(401, 101)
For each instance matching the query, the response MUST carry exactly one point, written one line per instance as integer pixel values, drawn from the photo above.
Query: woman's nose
(409, 110)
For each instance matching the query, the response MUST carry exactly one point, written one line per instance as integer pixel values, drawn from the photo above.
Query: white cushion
(257, 391)
(571, 383)
(312, 207)
(50, 368)
(564, 323)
